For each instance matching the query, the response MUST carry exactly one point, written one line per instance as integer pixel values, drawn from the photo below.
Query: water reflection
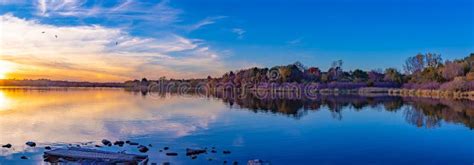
(77, 115)
(422, 112)
(82, 115)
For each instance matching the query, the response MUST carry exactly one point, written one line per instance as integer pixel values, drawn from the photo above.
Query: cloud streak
(240, 32)
(204, 22)
(145, 12)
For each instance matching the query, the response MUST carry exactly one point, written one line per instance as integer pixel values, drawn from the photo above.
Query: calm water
(326, 130)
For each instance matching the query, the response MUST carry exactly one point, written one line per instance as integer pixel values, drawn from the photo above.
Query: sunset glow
(5, 69)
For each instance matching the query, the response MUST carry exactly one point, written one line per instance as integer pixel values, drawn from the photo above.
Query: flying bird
(116, 43)
(43, 32)
(56, 36)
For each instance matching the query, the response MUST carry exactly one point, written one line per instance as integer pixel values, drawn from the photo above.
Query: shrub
(458, 84)
(470, 76)
(429, 85)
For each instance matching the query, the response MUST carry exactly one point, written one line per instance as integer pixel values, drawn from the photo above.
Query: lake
(326, 129)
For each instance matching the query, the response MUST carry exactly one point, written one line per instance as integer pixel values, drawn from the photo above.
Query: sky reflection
(82, 115)
(281, 130)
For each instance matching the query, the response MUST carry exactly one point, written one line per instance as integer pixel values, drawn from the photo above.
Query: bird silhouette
(43, 32)
(116, 43)
(56, 36)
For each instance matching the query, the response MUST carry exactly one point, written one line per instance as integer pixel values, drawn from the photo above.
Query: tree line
(422, 71)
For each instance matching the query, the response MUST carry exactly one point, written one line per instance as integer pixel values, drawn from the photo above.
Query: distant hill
(54, 83)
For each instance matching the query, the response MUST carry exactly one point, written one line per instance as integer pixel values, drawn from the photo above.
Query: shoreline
(436, 94)
(364, 91)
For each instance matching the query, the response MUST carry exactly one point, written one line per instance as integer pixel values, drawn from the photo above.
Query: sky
(118, 40)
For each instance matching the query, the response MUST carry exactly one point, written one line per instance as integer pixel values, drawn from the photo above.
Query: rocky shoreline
(87, 152)
(369, 91)
(437, 94)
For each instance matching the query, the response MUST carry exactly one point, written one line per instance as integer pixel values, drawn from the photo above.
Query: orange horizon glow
(5, 69)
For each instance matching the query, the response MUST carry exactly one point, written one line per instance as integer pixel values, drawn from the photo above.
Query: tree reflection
(421, 112)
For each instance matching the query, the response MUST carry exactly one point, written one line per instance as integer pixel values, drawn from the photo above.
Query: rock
(47, 148)
(106, 142)
(23, 157)
(149, 145)
(190, 152)
(119, 143)
(225, 161)
(154, 164)
(143, 149)
(166, 163)
(214, 151)
(226, 152)
(235, 163)
(166, 148)
(194, 157)
(31, 144)
(257, 162)
(98, 146)
(7, 146)
(161, 150)
(209, 159)
(172, 154)
(133, 143)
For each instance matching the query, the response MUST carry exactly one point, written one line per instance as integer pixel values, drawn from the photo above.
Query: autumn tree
(392, 75)
(359, 75)
(414, 64)
(451, 70)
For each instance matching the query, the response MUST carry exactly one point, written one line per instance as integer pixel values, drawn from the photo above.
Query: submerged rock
(190, 151)
(23, 157)
(7, 146)
(172, 154)
(119, 143)
(226, 152)
(133, 143)
(31, 144)
(166, 163)
(106, 142)
(142, 149)
(166, 148)
(47, 148)
(235, 163)
(257, 162)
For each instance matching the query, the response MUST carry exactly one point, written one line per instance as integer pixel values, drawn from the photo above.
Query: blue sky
(233, 34)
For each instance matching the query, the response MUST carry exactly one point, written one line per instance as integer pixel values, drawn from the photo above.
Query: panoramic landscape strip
(424, 75)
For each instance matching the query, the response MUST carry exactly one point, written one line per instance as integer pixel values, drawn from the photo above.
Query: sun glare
(5, 68)
(4, 102)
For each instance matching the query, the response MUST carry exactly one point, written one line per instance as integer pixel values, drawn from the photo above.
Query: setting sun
(5, 68)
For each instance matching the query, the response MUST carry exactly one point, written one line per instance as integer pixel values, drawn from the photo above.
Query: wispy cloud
(160, 13)
(60, 7)
(240, 32)
(295, 41)
(101, 54)
(9, 2)
(204, 22)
